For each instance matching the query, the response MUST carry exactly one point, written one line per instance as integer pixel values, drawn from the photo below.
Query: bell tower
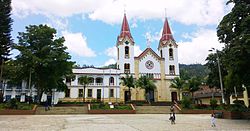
(125, 48)
(168, 49)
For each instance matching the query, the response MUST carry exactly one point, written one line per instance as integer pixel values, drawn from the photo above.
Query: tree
(84, 80)
(193, 85)
(213, 79)
(129, 82)
(147, 84)
(44, 57)
(5, 34)
(234, 32)
(178, 84)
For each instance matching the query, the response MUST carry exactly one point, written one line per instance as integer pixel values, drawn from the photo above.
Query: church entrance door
(174, 96)
(151, 96)
(99, 94)
(126, 96)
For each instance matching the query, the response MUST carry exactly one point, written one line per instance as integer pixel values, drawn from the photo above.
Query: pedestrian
(46, 105)
(172, 118)
(172, 109)
(213, 120)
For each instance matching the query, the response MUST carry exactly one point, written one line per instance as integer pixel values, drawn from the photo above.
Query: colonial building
(105, 85)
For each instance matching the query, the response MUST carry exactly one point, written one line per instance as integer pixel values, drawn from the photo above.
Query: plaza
(138, 122)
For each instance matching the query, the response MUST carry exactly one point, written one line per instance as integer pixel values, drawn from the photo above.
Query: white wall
(144, 69)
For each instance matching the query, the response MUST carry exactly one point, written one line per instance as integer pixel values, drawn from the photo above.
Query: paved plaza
(121, 122)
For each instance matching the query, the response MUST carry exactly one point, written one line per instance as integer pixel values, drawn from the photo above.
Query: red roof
(125, 31)
(166, 33)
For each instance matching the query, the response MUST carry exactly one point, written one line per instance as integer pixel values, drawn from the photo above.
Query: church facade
(106, 85)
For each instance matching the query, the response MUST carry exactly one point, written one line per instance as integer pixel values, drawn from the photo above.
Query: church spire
(125, 31)
(166, 33)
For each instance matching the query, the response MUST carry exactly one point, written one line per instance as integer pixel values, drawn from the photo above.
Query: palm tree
(84, 80)
(193, 85)
(147, 84)
(129, 82)
(178, 84)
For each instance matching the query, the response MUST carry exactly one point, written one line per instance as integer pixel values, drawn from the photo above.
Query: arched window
(161, 53)
(99, 81)
(171, 54)
(126, 52)
(126, 68)
(111, 81)
(91, 80)
(171, 70)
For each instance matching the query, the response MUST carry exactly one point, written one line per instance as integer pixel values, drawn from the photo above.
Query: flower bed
(18, 111)
(105, 109)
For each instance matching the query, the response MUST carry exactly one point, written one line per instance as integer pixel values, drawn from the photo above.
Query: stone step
(62, 110)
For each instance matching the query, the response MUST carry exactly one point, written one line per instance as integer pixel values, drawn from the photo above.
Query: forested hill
(193, 70)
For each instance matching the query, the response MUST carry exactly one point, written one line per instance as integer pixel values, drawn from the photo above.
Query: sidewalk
(133, 122)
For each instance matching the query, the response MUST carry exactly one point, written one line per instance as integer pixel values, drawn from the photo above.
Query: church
(105, 84)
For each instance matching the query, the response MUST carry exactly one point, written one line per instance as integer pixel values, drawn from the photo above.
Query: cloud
(196, 50)
(137, 50)
(110, 61)
(111, 52)
(77, 44)
(199, 12)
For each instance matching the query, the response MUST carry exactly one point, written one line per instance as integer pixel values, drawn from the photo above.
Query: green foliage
(146, 83)
(5, 29)
(186, 102)
(178, 84)
(84, 80)
(213, 103)
(129, 82)
(193, 71)
(42, 54)
(193, 85)
(12, 104)
(234, 31)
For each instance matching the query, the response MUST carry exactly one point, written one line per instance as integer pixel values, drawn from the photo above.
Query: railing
(127, 71)
(126, 56)
(151, 75)
(99, 84)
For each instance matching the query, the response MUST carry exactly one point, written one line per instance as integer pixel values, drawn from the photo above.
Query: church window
(80, 92)
(111, 92)
(126, 52)
(126, 42)
(111, 81)
(171, 70)
(126, 68)
(89, 92)
(161, 53)
(171, 55)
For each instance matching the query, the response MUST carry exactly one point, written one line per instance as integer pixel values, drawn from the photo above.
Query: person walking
(213, 120)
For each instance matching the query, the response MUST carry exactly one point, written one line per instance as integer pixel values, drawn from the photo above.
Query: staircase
(62, 110)
(153, 110)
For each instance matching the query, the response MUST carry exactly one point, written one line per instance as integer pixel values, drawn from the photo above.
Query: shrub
(201, 106)
(186, 102)
(12, 104)
(213, 103)
(238, 106)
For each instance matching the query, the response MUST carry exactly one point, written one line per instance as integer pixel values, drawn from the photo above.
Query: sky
(91, 27)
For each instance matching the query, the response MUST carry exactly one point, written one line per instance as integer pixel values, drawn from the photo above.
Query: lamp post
(221, 85)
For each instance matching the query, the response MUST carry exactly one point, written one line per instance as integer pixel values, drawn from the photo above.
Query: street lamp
(221, 85)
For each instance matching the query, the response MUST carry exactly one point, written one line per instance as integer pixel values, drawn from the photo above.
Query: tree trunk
(179, 94)
(84, 93)
(1, 81)
(129, 93)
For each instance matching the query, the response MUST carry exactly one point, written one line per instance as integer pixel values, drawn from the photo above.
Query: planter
(231, 115)
(18, 112)
(190, 111)
(111, 111)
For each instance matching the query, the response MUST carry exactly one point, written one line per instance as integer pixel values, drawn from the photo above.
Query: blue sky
(91, 27)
